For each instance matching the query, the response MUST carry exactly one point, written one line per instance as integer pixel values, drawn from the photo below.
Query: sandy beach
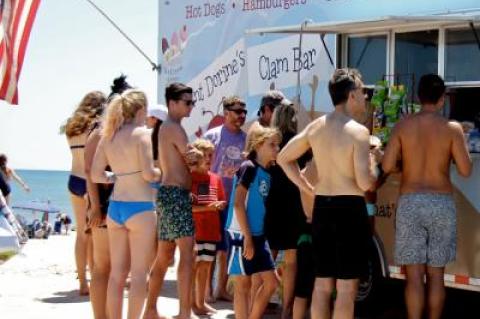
(40, 283)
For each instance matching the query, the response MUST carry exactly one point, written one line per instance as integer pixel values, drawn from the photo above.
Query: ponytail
(121, 110)
(156, 128)
(114, 119)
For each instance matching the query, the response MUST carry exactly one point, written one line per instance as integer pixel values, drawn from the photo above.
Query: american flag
(16, 20)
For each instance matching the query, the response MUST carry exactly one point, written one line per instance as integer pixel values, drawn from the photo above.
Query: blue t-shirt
(257, 181)
(228, 154)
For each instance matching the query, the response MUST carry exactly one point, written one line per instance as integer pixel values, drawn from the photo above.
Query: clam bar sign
(280, 61)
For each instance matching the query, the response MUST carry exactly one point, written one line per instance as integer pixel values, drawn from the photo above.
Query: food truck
(295, 49)
(399, 49)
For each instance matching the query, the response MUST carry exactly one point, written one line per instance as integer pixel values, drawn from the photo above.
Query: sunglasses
(189, 102)
(239, 111)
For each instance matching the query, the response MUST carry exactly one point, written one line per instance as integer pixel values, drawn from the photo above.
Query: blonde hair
(199, 148)
(122, 110)
(284, 118)
(203, 145)
(86, 114)
(256, 137)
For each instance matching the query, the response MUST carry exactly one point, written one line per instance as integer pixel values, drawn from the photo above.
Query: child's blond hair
(203, 145)
(256, 137)
(199, 147)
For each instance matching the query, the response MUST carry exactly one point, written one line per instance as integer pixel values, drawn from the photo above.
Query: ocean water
(44, 185)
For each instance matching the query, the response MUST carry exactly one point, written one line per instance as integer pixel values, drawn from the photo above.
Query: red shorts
(207, 226)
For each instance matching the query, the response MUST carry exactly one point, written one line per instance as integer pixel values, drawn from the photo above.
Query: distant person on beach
(249, 253)
(174, 206)
(346, 170)
(229, 142)
(76, 129)
(67, 222)
(208, 201)
(6, 175)
(125, 146)
(425, 239)
(98, 199)
(57, 226)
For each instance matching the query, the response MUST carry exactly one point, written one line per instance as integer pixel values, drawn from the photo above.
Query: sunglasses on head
(239, 111)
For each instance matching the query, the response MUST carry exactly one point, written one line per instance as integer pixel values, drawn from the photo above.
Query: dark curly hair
(120, 85)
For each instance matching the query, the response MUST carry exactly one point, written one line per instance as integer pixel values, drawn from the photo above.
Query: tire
(372, 287)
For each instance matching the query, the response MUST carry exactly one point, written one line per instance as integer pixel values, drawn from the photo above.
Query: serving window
(462, 56)
(368, 54)
(403, 56)
(416, 53)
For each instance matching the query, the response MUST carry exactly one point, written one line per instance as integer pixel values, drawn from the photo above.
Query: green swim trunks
(174, 208)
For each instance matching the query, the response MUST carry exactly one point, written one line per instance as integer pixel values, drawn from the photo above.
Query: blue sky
(73, 50)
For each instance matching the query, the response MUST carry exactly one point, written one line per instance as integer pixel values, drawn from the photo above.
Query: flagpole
(155, 67)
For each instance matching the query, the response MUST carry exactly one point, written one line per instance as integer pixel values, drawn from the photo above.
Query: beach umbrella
(46, 207)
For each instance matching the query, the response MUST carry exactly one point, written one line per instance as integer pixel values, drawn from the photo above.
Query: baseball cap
(285, 102)
(158, 111)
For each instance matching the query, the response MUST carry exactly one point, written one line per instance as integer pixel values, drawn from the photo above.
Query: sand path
(40, 283)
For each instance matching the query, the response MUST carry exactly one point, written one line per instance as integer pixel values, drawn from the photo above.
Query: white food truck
(250, 46)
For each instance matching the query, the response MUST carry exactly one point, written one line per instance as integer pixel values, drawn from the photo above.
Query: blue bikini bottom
(120, 212)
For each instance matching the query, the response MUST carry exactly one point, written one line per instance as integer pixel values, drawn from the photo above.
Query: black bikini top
(76, 146)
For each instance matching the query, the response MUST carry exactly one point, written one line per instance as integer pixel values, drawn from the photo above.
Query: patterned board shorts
(426, 229)
(174, 208)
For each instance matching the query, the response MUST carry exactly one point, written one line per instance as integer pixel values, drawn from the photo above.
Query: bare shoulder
(314, 128)
(403, 125)
(357, 129)
(142, 133)
(316, 124)
(455, 127)
(172, 130)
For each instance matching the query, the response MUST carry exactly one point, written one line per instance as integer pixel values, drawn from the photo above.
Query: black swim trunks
(341, 235)
(305, 276)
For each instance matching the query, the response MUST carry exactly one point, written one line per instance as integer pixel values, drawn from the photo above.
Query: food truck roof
(371, 25)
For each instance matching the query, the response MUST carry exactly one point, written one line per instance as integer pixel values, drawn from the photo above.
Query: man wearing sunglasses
(174, 207)
(346, 170)
(229, 141)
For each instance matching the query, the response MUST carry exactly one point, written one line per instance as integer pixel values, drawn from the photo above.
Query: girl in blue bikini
(126, 147)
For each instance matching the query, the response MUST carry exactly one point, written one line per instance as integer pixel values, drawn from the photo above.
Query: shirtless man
(426, 143)
(346, 170)
(175, 224)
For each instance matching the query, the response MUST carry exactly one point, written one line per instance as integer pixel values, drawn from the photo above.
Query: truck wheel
(371, 288)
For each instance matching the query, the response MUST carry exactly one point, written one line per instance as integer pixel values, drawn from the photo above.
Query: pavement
(40, 282)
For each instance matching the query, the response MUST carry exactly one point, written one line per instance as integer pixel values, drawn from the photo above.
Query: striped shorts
(205, 250)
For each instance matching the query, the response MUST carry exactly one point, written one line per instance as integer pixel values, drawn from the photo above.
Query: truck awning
(371, 25)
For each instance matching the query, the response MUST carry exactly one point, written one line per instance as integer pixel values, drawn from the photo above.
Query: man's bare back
(172, 142)
(426, 143)
(344, 168)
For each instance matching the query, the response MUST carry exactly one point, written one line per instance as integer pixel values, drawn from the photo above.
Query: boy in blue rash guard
(248, 250)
